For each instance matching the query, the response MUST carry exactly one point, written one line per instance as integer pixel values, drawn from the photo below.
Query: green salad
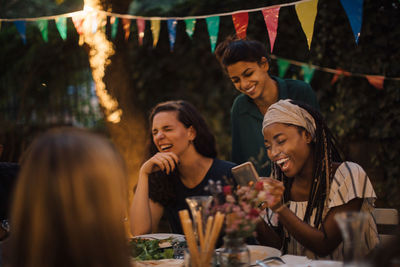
(149, 249)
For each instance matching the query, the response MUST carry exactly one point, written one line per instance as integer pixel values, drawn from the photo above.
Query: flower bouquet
(242, 208)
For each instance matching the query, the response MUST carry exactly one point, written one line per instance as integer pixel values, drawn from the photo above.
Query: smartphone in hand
(245, 173)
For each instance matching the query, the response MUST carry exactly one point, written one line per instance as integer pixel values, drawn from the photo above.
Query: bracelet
(6, 228)
(281, 207)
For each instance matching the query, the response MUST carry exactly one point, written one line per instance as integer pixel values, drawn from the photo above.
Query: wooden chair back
(387, 221)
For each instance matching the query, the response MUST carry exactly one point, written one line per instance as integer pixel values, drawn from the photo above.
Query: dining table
(256, 253)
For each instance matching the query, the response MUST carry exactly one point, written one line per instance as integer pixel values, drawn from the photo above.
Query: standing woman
(182, 160)
(246, 63)
(69, 204)
(312, 184)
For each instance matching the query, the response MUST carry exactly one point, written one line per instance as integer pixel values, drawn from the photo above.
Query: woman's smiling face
(169, 134)
(249, 77)
(289, 147)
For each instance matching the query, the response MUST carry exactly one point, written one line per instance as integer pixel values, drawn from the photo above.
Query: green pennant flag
(213, 28)
(42, 25)
(114, 26)
(283, 66)
(61, 23)
(308, 73)
(190, 23)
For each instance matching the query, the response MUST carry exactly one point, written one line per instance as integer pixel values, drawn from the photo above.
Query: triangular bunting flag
(338, 74)
(283, 66)
(190, 23)
(155, 30)
(376, 81)
(61, 23)
(241, 21)
(354, 9)
(43, 25)
(141, 24)
(171, 32)
(114, 26)
(271, 16)
(213, 28)
(307, 12)
(78, 23)
(126, 24)
(308, 73)
(21, 27)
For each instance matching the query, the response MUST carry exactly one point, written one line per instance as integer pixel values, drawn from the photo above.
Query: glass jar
(234, 253)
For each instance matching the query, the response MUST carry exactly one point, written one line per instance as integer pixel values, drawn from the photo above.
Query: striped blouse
(350, 181)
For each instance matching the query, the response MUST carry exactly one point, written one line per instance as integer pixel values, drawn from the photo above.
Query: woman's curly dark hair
(161, 185)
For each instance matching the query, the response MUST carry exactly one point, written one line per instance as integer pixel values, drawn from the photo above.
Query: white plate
(161, 236)
(164, 263)
(261, 252)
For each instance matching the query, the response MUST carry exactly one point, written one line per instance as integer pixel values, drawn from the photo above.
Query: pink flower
(227, 190)
(230, 199)
(254, 212)
(259, 186)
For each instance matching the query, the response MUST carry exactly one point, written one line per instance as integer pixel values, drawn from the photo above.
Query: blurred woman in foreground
(69, 203)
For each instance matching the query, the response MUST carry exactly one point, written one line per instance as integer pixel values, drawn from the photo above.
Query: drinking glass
(199, 205)
(352, 226)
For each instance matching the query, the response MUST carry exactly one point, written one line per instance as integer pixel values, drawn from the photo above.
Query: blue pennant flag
(354, 10)
(21, 27)
(172, 32)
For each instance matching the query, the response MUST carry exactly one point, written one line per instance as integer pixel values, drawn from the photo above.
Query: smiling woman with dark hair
(246, 62)
(182, 159)
(312, 184)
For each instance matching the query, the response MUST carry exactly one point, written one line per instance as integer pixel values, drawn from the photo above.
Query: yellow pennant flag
(155, 29)
(307, 12)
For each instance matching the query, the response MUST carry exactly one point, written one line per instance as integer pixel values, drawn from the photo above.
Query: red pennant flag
(339, 72)
(78, 23)
(126, 24)
(241, 21)
(271, 16)
(376, 81)
(141, 24)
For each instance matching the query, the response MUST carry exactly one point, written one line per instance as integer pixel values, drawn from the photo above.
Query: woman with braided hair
(310, 184)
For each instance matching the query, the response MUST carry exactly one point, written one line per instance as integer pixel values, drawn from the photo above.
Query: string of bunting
(308, 71)
(306, 11)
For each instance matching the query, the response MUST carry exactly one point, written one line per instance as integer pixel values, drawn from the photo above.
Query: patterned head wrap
(285, 112)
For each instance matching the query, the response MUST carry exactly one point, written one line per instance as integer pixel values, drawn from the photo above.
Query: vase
(234, 253)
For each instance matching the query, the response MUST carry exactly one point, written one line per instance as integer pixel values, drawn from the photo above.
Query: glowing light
(99, 56)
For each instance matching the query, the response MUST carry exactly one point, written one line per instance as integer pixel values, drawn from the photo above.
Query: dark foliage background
(36, 78)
